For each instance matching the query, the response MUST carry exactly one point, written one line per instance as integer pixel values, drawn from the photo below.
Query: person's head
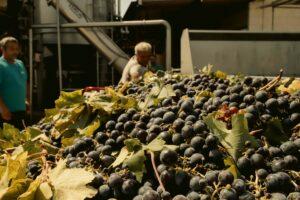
(143, 52)
(10, 48)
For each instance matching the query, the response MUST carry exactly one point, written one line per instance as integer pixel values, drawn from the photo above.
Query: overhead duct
(164, 2)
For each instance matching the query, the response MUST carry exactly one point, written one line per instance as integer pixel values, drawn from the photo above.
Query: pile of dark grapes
(196, 171)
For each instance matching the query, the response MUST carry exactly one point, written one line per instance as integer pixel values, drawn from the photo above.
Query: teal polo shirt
(13, 78)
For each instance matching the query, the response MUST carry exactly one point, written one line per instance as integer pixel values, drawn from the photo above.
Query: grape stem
(272, 83)
(255, 132)
(24, 125)
(155, 170)
(36, 155)
(217, 189)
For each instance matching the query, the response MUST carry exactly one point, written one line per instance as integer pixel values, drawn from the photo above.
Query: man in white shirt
(137, 65)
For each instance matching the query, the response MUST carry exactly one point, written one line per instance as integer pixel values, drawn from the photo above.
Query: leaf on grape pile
(172, 147)
(220, 74)
(158, 92)
(133, 145)
(274, 132)
(290, 88)
(229, 162)
(238, 78)
(233, 140)
(15, 169)
(136, 164)
(32, 147)
(32, 132)
(207, 70)
(201, 94)
(10, 136)
(49, 147)
(44, 192)
(68, 141)
(166, 91)
(31, 191)
(121, 157)
(71, 184)
(69, 99)
(68, 116)
(91, 128)
(49, 113)
(17, 188)
(148, 77)
(155, 145)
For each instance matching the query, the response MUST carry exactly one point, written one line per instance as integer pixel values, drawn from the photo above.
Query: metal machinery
(54, 36)
(246, 52)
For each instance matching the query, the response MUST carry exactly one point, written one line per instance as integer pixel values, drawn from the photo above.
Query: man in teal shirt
(13, 82)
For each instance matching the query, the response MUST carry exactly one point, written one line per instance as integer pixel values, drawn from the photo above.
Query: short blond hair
(143, 47)
(4, 42)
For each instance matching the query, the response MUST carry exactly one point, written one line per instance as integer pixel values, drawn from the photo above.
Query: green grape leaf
(233, 140)
(133, 145)
(274, 132)
(155, 145)
(136, 164)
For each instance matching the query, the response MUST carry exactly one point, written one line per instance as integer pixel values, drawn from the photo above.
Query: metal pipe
(125, 23)
(97, 68)
(30, 71)
(59, 46)
(119, 9)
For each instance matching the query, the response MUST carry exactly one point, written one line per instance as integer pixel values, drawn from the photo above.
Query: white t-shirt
(133, 71)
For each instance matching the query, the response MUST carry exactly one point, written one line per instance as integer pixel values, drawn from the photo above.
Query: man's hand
(6, 114)
(27, 107)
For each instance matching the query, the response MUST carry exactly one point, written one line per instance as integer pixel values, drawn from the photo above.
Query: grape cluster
(196, 171)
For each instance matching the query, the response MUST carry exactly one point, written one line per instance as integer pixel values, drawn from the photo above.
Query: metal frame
(58, 26)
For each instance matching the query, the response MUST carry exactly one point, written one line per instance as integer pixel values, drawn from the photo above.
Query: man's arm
(5, 112)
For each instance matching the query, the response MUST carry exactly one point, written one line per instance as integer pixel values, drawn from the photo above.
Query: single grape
(225, 177)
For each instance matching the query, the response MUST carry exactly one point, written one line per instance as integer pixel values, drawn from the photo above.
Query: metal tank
(96, 10)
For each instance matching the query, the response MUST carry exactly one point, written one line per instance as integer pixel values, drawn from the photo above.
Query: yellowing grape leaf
(220, 74)
(31, 191)
(10, 136)
(67, 99)
(229, 162)
(121, 157)
(15, 169)
(91, 128)
(207, 69)
(71, 184)
(44, 192)
(68, 141)
(291, 88)
(68, 117)
(17, 188)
